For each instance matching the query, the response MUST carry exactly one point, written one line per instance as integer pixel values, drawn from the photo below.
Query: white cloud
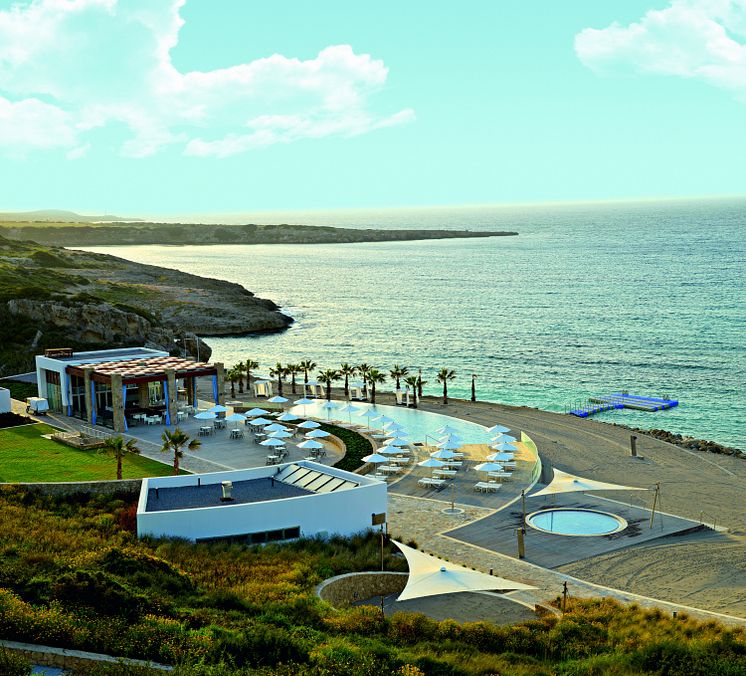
(99, 63)
(698, 39)
(31, 124)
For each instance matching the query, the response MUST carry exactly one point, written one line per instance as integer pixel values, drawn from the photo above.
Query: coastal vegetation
(52, 297)
(356, 446)
(176, 443)
(73, 574)
(27, 455)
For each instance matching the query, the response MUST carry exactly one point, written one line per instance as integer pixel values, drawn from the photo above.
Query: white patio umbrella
(303, 401)
(449, 445)
(396, 442)
(206, 415)
(328, 406)
(392, 450)
(489, 467)
(254, 412)
(275, 427)
(452, 437)
(376, 458)
(443, 454)
(504, 438)
(260, 421)
(446, 429)
(288, 417)
(429, 576)
(272, 442)
(349, 409)
(498, 429)
(280, 434)
(431, 462)
(218, 408)
(370, 414)
(500, 457)
(392, 426)
(310, 444)
(503, 447)
(309, 425)
(278, 399)
(236, 418)
(317, 434)
(386, 420)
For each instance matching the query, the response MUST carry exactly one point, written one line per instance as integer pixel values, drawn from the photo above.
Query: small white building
(267, 504)
(4, 400)
(313, 388)
(357, 391)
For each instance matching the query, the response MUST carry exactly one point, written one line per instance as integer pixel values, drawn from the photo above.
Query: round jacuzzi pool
(566, 521)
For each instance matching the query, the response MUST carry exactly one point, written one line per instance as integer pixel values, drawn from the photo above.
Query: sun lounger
(487, 486)
(500, 475)
(430, 482)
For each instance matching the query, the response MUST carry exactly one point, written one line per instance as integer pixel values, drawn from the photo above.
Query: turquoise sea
(588, 299)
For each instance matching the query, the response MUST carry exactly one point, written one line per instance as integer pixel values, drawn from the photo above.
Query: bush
(13, 663)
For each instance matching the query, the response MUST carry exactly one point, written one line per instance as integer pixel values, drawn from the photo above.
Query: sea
(589, 299)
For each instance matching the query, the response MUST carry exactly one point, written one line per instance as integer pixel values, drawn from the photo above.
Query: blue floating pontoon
(619, 400)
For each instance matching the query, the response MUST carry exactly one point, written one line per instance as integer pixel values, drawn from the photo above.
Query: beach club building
(261, 504)
(115, 387)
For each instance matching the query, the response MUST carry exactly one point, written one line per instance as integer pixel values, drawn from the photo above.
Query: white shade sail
(430, 576)
(562, 482)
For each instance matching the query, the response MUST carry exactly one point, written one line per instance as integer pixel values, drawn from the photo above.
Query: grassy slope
(73, 575)
(25, 456)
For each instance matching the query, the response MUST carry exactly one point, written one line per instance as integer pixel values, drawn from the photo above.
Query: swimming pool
(418, 424)
(565, 521)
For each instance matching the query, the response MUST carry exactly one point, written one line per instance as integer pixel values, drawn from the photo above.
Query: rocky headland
(125, 233)
(52, 297)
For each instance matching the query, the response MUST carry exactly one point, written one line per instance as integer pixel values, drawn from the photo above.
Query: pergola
(119, 374)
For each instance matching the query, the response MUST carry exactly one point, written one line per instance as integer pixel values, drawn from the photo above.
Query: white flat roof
(114, 354)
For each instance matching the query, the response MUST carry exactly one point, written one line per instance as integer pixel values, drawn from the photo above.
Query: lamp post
(419, 383)
(473, 387)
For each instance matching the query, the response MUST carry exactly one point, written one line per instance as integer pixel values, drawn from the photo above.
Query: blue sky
(160, 106)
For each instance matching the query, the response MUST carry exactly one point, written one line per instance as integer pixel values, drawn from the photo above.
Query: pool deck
(497, 532)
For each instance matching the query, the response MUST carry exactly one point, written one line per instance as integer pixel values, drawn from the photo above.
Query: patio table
(236, 434)
(219, 424)
(205, 431)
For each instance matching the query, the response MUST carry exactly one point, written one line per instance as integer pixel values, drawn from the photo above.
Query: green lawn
(27, 457)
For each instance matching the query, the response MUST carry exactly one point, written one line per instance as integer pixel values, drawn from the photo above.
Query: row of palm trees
(371, 377)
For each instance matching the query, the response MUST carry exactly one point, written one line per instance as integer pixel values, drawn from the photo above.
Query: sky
(176, 106)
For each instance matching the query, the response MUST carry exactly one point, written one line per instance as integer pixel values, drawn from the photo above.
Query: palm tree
(278, 371)
(444, 376)
(174, 442)
(328, 377)
(293, 369)
(251, 364)
(412, 382)
(307, 365)
(420, 383)
(397, 373)
(233, 377)
(363, 369)
(375, 377)
(347, 370)
(240, 370)
(118, 447)
(473, 386)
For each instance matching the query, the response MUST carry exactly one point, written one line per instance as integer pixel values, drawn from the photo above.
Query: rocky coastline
(52, 297)
(691, 443)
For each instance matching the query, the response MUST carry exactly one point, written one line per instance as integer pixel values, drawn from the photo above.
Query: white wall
(344, 513)
(4, 400)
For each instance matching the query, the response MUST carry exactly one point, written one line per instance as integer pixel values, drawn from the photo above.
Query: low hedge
(357, 446)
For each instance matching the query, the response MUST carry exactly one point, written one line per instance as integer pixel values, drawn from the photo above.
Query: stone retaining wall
(72, 660)
(343, 590)
(129, 487)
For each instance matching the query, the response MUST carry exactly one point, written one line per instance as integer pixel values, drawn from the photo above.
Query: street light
(473, 387)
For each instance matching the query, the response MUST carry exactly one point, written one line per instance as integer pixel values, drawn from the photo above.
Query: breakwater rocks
(691, 443)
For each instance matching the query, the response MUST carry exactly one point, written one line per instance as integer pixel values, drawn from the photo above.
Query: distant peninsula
(55, 297)
(63, 233)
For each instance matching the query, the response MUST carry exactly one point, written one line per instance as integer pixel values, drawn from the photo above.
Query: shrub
(13, 663)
